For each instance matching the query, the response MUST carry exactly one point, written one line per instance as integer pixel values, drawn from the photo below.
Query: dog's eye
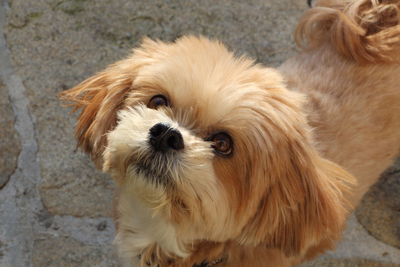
(157, 101)
(222, 144)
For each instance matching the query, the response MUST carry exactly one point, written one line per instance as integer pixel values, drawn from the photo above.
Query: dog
(223, 162)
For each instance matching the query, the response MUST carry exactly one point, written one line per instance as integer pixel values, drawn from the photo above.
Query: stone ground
(54, 206)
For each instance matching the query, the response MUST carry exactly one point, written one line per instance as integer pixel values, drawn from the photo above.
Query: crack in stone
(20, 202)
(14, 163)
(19, 139)
(15, 208)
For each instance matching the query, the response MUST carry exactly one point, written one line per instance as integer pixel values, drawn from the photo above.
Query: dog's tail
(367, 31)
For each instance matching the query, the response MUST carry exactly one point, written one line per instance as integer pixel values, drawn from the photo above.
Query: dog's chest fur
(139, 228)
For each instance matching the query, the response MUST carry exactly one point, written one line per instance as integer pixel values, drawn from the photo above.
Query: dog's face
(213, 145)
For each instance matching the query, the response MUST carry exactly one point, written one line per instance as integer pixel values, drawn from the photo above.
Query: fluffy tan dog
(220, 161)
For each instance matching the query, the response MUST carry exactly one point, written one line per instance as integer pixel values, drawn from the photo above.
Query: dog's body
(218, 163)
(352, 79)
(354, 111)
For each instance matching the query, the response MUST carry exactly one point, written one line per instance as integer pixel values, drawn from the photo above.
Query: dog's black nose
(164, 138)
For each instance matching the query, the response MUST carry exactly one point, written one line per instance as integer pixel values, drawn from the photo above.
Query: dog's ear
(304, 205)
(101, 96)
(296, 198)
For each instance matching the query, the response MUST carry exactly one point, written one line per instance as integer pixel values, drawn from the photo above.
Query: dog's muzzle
(162, 157)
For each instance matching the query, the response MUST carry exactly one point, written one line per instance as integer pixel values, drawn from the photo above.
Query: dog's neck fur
(142, 237)
(137, 233)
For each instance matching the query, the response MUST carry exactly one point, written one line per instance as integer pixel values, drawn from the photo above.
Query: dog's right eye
(222, 144)
(157, 101)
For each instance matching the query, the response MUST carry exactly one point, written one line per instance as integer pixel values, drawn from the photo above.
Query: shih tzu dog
(221, 161)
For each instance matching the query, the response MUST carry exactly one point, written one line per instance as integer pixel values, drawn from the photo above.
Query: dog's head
(213, 144)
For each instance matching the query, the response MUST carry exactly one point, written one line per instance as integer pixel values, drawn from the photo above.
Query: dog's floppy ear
(303, 198)
(101, 96)
(315, 202)
(304, 206)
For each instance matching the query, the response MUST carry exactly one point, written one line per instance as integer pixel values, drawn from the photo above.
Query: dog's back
(350, 70)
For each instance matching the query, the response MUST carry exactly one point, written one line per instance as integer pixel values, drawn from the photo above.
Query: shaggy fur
(283, 195)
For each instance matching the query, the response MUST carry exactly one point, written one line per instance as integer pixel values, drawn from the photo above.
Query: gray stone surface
(56, 206)
(9, 141)
(357, 244)
(18, 199)
(66, 252)
(348, 263)
(379, 211)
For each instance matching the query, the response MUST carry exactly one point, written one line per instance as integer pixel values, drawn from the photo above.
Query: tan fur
(354, 99)
(284, 194)
(367, 31)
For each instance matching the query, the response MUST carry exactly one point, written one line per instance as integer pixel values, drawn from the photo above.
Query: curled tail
(367, 31)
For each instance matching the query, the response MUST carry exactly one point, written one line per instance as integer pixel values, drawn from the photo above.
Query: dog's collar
(210, 263)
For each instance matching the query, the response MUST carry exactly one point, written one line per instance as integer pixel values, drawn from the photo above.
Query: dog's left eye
(222, 144)
(157, 101)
